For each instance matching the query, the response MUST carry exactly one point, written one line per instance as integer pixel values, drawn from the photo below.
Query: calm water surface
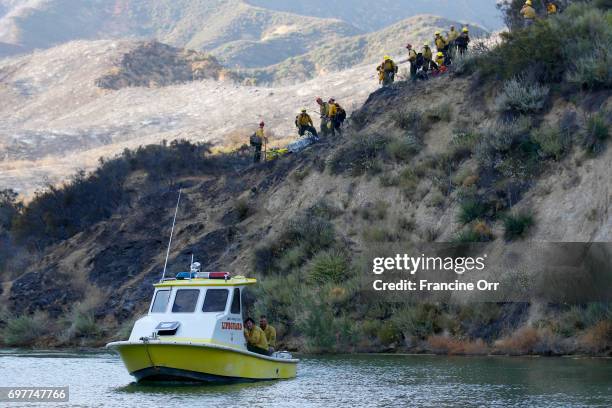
(100, 380)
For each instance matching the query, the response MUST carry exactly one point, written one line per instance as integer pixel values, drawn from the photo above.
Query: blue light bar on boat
(203, 275)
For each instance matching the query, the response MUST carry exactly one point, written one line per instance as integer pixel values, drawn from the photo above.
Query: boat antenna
(171, 234)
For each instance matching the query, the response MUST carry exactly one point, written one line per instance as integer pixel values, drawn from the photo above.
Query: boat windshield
(185, 300)
(160, 302)
(215, 300)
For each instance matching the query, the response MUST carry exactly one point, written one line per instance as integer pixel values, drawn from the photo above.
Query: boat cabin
(196, 307)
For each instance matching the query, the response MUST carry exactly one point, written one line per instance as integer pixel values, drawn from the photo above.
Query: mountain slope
(250, 220)
(200, 24)
(363, 49)
(54, 119)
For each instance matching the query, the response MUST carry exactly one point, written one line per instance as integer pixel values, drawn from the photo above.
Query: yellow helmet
(438, 33)
(426, 44)
(440, 54)
(386, 58)
(465, 30)
(303, 110)
(528, 2)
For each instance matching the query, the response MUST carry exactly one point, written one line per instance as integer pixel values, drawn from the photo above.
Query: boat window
(236, 302)
(160, 301)
(215, 300)
(185, 300)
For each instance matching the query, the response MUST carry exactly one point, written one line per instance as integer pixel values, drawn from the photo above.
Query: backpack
(255, 140)
(341, 115)
(420, 60)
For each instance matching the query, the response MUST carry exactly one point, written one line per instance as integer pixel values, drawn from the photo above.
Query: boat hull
(168, 361)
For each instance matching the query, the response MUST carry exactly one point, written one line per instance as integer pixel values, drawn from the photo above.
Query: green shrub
(596, 134)
(243, 209)
(472, 209)
(324, 209)
(292, 258)
(389, 180)
(466, 236)
(553, 47)
(436, 198)
(593, 71)
(328, 267)
(404, 148)
(406, 224)
(389, 333)
(517, 225)
(84, 325)
(378, 234)
(299, 240)
(501, 136)
(467, 63)
(407, 119)
(318, 326)
(374, 211)
(361, 155)
(552, 142)
(420, 320)
(464, 142)
(408, 181)
(300, 174)
(25, 330)
(440, 113)
(518, 96)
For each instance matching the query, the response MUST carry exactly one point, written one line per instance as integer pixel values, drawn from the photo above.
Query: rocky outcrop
(154, 64)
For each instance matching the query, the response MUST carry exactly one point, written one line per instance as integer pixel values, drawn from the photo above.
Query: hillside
(54, 119)
(475, 156)
(362, 49)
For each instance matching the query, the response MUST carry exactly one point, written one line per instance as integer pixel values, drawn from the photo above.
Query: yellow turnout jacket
(303, 119)
(270, 333)
(256, 337)
(528, 12)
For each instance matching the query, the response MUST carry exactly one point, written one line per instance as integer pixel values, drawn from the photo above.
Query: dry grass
(598, 338)
(522, 341)
(453, 346)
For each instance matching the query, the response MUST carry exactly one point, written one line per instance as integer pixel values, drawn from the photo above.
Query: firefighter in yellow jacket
(440, 42)
(412, 57)
(427, 56)
(269, 331)
(387, 71)
(452, 35)
(528, 13)
(332, 111)
(439, 61)
(258, 140)
(324, 110)
(303, 121)
(255, 337)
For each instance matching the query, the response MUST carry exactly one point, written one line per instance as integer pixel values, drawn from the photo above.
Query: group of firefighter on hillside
(423, 65)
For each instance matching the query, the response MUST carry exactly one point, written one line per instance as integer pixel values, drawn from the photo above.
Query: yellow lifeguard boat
(194, 331)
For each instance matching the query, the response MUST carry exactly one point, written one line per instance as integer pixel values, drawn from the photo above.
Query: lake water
(100, 380)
